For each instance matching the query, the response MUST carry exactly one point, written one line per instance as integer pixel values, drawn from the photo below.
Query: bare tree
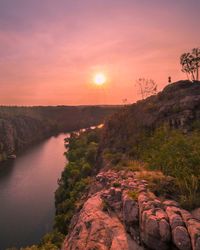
(125, 101)
(196, 61)
(146, 87)
(190, 64)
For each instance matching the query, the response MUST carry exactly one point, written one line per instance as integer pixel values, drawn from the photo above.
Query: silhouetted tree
(196, 61)
(125, 101)
(190, 64)
(146, 87)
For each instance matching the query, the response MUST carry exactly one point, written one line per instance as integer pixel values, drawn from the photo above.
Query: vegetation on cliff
(178, 155)
(81, 154)
(77, 175)
(158, 139)
(23, 126)
(162, 132)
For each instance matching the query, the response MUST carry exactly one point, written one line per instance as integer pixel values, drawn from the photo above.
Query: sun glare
(99, 79)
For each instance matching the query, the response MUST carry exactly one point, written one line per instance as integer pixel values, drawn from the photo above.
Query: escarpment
(127, 208)
(22, 126)
(177, 106)
(121, 213)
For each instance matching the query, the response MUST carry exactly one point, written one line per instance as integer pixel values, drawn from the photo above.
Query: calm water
(27, 188)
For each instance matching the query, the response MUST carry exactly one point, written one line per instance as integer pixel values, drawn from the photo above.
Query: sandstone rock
(174, 218)
(95, 229)
(196, 213)
(130, 210)
(161, 214)
(164, 229)
(185, 215)
(181, 238)
(142, 199)
(127, 223)
(118, 194)
(150, 232)
(193, 227)
(168, 203)
(112, 191)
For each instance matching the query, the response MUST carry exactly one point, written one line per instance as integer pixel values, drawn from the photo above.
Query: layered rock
(97, 229)
(22, 126)
(177, 106)
(122, 214)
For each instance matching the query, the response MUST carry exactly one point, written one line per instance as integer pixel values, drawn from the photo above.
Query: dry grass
(161, 185)
(133, 194)
(134, 165)
(150, 176)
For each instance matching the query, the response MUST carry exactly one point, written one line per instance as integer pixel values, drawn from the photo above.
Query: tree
(125, 101)
(190, 63)
(196, 61)
(147, 87)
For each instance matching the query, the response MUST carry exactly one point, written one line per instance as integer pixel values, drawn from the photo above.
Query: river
(27, 187)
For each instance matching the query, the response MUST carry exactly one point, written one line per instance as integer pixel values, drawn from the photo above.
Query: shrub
(105, 206)
(116, 184)
(178, 155)
(55, 238)
(133, 195)
(81, 154)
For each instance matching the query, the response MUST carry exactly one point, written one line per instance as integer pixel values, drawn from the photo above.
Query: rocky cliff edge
(120, 213)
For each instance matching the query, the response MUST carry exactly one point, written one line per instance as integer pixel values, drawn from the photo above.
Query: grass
(105, 206)
(133, 194)
(135, 165)
(178, 156)
(116, 184)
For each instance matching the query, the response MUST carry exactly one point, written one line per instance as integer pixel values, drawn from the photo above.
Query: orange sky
(50, 50)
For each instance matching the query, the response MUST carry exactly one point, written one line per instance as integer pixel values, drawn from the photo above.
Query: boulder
(193, 227)
(175, 218)
(155, 231)
(130, 211)
(96, 229)
(181, 238)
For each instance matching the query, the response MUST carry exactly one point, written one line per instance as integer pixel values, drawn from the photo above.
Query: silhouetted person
(169, 79)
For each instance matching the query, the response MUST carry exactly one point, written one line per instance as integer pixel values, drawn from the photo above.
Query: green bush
(175, 154)
(55, 238)
(81, 155)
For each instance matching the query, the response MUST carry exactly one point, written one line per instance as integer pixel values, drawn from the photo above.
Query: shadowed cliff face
(178, 106)
(23, 126)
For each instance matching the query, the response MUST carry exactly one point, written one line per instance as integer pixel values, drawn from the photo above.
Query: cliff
(130, 206)
(132, 185)
(121, 214)
(177, 106)
(22, 126)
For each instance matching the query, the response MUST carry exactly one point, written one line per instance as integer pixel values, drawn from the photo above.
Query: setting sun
(99, 79)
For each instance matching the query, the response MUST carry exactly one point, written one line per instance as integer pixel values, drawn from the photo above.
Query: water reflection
(27, 187)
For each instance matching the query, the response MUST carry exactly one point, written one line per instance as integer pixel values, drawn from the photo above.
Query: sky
(51, 50)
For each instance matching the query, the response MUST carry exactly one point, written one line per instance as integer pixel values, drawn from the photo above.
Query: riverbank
(128, 185)
(27, 187)
(21, 127)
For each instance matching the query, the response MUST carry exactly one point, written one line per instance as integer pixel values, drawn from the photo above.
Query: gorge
(28, 183)
(133, 184)
(144, 183)
(27, 187)
(23, 126)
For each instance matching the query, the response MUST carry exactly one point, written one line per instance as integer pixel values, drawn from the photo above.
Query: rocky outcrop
(17, 133)
(177, 106)
(97, 229)
(120, 213)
